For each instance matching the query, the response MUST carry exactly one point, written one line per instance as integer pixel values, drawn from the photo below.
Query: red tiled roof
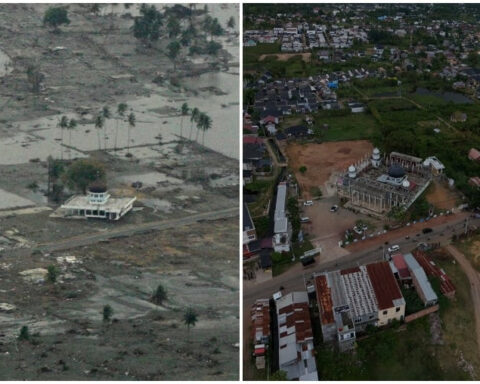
(474, 154)
(446, 285)
(298, 316)
(260, 315)
(384, 284)
(401, 265)
(252, 140)
(324, 299)
(349, 271)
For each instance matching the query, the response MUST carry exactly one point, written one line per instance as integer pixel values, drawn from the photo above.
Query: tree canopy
(146, 27)
(84, 172)
(56, 16)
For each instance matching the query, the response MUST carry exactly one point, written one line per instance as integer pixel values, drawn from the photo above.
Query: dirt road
(474, 278)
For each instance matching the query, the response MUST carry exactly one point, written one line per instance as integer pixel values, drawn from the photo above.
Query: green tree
(107, 313)
(173, 27)
(184, 111)
(52, 274)
(190, 318)
(173, 49)
(131, 124)
(204, 124)
(302, 169)
(159, 295)
(146, 27)
(84, 172)
(278, 376)
(56, 16)
(231, 22)
(24, 334)
(213, 47)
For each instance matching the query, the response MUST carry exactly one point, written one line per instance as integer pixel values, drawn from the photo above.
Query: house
(282, 228)
(295, 337)
(458, 117)
(247, 176)
(260, 318)
(474, 154)
(97, 204)
(420, 281)
(356, 107)
(435, 165)
(351, 299)
(400, 269)
(474, 181)
(249, 233)
(298, 131)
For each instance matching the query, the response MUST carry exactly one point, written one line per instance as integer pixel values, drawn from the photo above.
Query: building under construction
(376, 184)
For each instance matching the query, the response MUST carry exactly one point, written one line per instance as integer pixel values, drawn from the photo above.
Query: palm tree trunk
(116, 135)
(99, 140)
(181, 128)
(203, 137)
(61, 146)
(128, 141)
(70, 144)
(191, 131)
(196, 136)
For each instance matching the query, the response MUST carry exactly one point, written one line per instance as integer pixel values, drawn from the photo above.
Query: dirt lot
(441, 196)
(285, 56)
(323, 160)
(144, 341)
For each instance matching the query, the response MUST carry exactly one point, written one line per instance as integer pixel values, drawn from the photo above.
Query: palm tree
(71, 126)
(131, 124)
(205, 125)
(106, 115)
(190, 318)
(121, 109)
(63, 123)
(184, 112)
(193, 119)
(99, 125)
(199, 121)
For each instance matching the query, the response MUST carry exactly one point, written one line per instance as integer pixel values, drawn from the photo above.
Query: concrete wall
(423, 312)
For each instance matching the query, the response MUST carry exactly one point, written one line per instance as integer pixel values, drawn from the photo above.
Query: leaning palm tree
(121, 109)
(131, 124)
(99, 121)
(190, 319)
(184, 112)
(63, 123)
(71, 126)
(193, 119)
(106, 115)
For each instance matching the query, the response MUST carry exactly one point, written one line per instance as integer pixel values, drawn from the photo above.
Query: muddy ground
(197, 264)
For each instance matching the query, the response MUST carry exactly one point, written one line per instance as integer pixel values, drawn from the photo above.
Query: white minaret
(352, 172)
(376, 159)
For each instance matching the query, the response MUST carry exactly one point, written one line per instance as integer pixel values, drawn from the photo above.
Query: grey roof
(280, 218)
(247, 219)
(421, 277)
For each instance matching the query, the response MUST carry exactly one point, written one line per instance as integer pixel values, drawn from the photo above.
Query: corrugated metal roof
(384, 285)
(421, 277)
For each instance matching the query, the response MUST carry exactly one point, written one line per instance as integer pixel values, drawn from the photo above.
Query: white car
(308, 203)
(393, 248)
(304, 219)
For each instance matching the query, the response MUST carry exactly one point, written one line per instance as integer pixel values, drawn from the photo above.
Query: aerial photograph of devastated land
(119, 190)
(361, 192)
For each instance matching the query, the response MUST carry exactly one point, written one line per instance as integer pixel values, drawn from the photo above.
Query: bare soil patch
(322, 160)
(285, 56)
(441, 196)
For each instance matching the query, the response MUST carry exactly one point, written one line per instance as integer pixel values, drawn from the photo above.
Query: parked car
(427, 230)
(334, 208)
(308, 203)
(393, 248)
(304, 219)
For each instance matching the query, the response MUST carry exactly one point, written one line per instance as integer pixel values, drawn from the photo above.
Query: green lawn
(355, 126)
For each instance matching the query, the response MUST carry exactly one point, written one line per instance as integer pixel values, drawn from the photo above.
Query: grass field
(408, 353)
(355, 126)
(471, 249)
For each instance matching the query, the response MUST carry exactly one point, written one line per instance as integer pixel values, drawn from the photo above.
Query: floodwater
(39, 138)
(449, 97)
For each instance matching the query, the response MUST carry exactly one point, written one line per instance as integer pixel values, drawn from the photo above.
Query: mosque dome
(396, 171)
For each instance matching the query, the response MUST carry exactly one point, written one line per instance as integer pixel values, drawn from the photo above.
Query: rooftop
(384, 285)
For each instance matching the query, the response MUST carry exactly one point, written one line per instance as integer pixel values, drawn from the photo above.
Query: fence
(422, 313)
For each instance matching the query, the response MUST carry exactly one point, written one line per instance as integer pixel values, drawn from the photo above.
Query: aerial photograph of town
(361, 191)
(119, 192)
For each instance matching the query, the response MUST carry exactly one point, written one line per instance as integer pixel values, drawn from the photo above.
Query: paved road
(91, 238)
(474, 278)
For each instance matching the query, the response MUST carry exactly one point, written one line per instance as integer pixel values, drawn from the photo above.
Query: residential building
(420, 281)
(282, 228)
(295, 337)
